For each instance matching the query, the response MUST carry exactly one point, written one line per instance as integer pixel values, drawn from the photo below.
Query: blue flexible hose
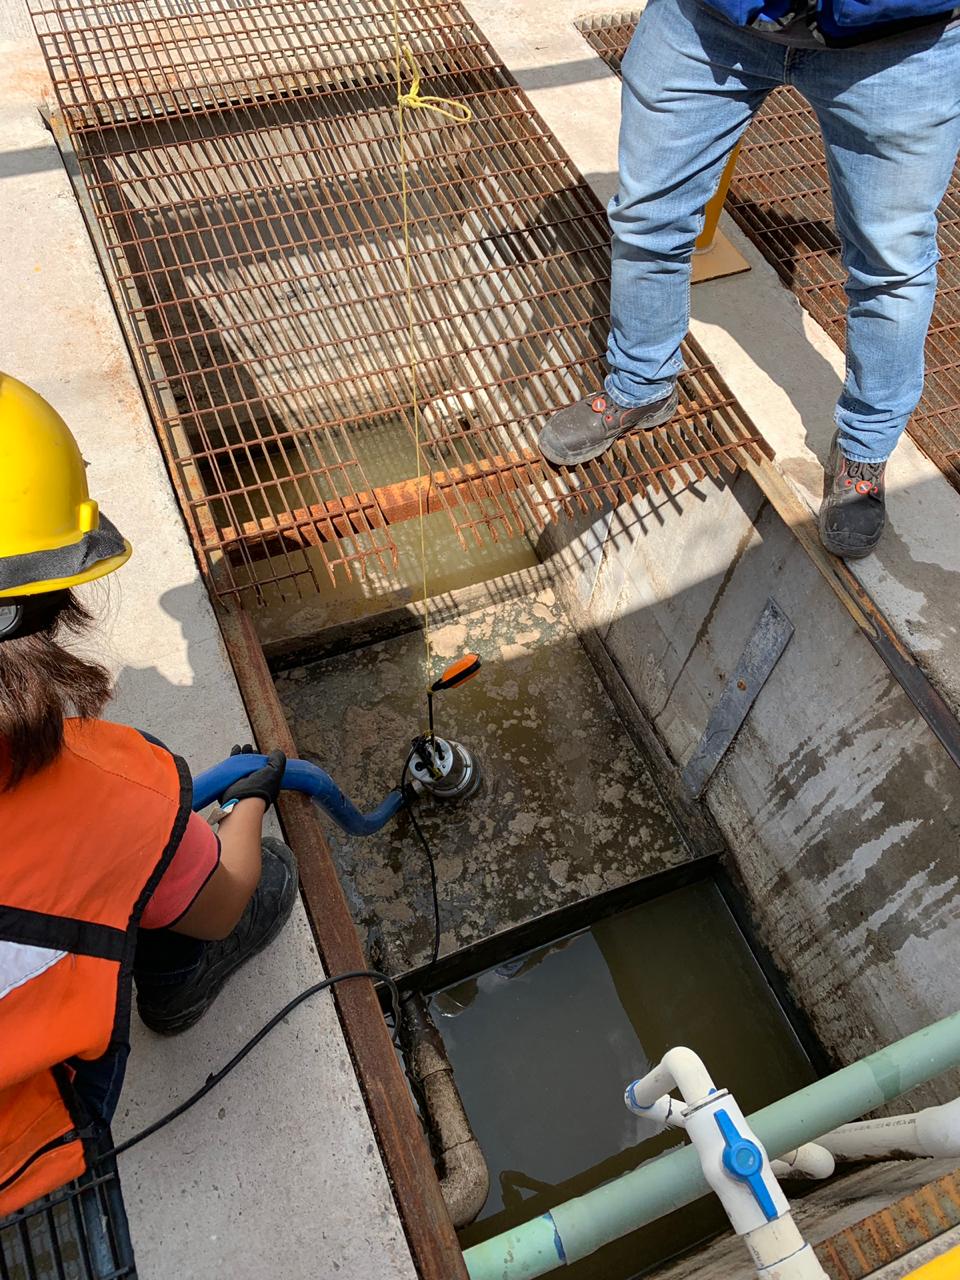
(299, 775)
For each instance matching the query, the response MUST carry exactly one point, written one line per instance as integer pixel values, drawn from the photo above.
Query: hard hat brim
(93, 555)
(90, 574)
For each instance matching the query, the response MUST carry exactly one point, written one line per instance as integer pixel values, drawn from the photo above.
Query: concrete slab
(782, 367)
(277, 1172)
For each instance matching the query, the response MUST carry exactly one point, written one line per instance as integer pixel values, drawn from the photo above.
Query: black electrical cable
(213, 1080)
(407, 791)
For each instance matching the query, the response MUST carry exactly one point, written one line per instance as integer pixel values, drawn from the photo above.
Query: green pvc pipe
(579, 1227)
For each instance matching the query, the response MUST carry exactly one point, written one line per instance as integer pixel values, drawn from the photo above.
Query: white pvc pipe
(935, 1131)
(779, 1252)
(665, 1110)
(733, 1161)
(807, 1161)
(578, 1227)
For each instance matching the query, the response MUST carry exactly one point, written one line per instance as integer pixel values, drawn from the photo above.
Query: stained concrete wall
(840, 808)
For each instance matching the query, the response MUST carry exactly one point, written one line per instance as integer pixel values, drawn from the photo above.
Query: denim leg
(691, 84)
(891, 124)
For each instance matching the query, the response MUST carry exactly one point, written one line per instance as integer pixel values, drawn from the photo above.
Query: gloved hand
(263, 783)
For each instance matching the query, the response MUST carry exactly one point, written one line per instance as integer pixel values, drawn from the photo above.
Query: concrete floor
(277, 1172)
(567, 808)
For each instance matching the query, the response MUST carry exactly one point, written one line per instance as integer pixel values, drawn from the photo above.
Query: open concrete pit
(566, 809)
(793, 911)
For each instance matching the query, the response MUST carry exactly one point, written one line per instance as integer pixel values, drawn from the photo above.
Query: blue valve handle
(743, 1160)
(299, 775)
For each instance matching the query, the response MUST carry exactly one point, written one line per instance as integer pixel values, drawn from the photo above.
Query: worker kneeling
(106, 875)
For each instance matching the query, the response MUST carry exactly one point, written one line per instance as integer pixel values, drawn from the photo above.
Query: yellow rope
(447, 107)
(413, 99)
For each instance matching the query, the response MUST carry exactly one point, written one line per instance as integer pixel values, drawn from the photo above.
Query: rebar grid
(780, 197)
(241, 164)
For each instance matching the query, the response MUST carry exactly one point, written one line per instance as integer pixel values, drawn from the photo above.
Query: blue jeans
(890, 118)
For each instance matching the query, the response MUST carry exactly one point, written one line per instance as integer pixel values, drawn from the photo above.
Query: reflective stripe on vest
(85, 843)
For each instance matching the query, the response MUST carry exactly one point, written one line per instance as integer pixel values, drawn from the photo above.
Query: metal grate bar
(780, 197)
(239, 158)
(77, 1233)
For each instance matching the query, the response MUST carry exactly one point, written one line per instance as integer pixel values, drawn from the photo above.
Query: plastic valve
(743, 1160)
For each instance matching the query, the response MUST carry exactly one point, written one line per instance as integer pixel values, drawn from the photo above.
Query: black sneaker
(852, 514)
(584, 430)
(170, 1007)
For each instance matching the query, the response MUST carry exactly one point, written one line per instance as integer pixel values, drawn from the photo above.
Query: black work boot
(170, 1000)
(852, 514)
(584, 430)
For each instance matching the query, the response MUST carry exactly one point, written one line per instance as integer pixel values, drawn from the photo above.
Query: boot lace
(866, 477)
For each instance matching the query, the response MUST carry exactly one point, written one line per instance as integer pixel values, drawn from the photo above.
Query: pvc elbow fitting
(807, 1161)
(680, 1068)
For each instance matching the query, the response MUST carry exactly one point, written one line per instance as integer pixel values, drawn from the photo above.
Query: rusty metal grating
(780, 197)
(240, 174)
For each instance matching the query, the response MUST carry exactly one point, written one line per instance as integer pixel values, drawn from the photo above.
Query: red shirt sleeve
(196, 859)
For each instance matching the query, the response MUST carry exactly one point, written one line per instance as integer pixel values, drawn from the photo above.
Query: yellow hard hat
(52, 534)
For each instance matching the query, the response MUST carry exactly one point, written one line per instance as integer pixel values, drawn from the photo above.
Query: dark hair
(41, 683)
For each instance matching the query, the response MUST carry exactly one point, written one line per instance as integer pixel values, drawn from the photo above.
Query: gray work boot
(170, 1002)
(584, 430)
(852, 514)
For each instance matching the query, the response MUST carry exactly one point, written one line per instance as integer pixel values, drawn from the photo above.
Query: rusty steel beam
(386, 505)
(406, 1155)
(498, 476)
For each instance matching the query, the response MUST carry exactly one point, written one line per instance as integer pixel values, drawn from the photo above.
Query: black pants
(163, 959)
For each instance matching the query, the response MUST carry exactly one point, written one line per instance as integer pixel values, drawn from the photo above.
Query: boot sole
(190, 1017)
(574, 458)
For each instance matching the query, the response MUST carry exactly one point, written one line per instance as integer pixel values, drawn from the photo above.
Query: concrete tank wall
(839, 807)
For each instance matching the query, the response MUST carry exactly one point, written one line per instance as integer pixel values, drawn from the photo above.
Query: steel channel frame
(430, 1234)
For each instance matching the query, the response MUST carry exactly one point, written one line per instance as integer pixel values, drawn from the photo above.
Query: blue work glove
(263, 783)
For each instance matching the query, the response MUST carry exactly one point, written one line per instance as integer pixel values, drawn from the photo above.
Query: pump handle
(457, 673)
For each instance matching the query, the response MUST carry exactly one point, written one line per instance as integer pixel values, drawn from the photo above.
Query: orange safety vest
(83, 845)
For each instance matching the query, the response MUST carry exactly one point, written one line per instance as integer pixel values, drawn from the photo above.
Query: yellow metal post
(715, 206)
(714, 255)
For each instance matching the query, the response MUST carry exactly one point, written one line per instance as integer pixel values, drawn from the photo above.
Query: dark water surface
(544, 1046)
